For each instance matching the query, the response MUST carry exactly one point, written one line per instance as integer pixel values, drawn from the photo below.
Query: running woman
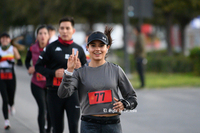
(38, 81)
(52, 63)
(8, 54)
(98, 85)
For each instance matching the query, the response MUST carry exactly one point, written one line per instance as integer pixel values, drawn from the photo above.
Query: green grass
(166, 80)
(159, 80)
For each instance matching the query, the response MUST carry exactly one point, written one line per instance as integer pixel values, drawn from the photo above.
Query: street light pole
(41, 11)
(4, 19)
(125, 25)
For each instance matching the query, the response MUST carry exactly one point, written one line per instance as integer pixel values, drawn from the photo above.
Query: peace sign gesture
(72, 61)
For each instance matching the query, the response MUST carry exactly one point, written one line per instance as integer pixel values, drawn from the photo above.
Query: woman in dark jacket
(38, 81)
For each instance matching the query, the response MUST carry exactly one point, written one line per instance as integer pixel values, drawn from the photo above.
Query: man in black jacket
(51, 63)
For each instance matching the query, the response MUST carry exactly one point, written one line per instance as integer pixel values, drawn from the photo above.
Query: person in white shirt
(84, 46)
(52, 34)
(8, 54)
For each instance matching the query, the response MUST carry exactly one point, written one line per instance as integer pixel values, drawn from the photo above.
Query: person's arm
(127, 90)
(31, 69)
(17, 56)
(16, 53)
(82, 56)
(28, 59)
(42, 61)
(70, 78)
(68, 85)
(142, 43)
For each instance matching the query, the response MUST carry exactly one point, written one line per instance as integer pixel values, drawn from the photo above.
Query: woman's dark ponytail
(107, 32)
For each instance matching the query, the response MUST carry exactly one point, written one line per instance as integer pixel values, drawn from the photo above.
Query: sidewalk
(25, 119)
(17, 125)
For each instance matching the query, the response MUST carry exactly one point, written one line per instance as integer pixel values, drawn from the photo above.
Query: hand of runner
(78, 64)
(59, 72)
(31, 70)
(118, 106)
(72, 61)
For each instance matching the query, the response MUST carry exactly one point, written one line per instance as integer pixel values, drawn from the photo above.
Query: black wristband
(19, 62)
(124, 103)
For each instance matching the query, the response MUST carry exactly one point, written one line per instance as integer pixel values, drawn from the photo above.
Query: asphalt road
(173, 110)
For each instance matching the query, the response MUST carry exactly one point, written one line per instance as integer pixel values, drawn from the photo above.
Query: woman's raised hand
(72, 61)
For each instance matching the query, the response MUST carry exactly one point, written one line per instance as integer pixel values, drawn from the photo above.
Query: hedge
(159, 61)
(195, 57)
(172, 64)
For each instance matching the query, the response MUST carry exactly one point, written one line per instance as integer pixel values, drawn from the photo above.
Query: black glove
(19, 62)
(128, 105)
(10, 62)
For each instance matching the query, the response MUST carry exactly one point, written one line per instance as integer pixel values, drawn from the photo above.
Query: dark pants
(56, 109)
(43, 113)
(140, 70)
(7, 90)
(89, 127)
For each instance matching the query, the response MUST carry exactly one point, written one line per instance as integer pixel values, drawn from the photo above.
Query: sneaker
(7, 125)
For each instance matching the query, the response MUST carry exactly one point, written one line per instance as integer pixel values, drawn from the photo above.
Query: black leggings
(7, 90)
(140, 70)
(56, 109)
(40, 97)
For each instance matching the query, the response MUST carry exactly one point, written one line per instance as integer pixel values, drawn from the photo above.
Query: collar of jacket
(65, 42)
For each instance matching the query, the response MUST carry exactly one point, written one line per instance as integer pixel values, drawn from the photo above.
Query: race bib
(97, 97)
(40, 77)
(57, 81)
(6, 75)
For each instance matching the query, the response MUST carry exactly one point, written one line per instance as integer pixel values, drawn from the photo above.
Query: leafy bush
(173, 64)
(195, 57)
(159, 61)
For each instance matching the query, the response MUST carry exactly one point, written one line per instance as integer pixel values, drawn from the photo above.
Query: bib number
(6, 75)
(40, 77)
(57, 81)
(97, 97)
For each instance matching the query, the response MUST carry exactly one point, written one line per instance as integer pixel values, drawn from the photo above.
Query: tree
(23, 12)
(180, 12)
(85, 11)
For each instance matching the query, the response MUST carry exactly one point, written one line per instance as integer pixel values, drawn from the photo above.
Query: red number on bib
(7, 76)
(97, 97)
(40, 77)
(57, 81)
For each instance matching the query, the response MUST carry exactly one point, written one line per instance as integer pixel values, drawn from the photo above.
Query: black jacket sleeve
(28, 59)
(82, 56)
(42, 61)
(128, 92)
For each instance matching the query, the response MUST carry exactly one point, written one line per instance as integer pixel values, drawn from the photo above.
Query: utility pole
(125, 26)
(4, 19)
(41, 11)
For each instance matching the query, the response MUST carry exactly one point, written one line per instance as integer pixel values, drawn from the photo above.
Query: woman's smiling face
(97, 50)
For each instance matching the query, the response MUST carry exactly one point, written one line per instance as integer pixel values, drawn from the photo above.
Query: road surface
(173, 110)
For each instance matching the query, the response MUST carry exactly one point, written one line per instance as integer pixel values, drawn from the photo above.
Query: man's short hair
(64, 19)
(50, 27)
